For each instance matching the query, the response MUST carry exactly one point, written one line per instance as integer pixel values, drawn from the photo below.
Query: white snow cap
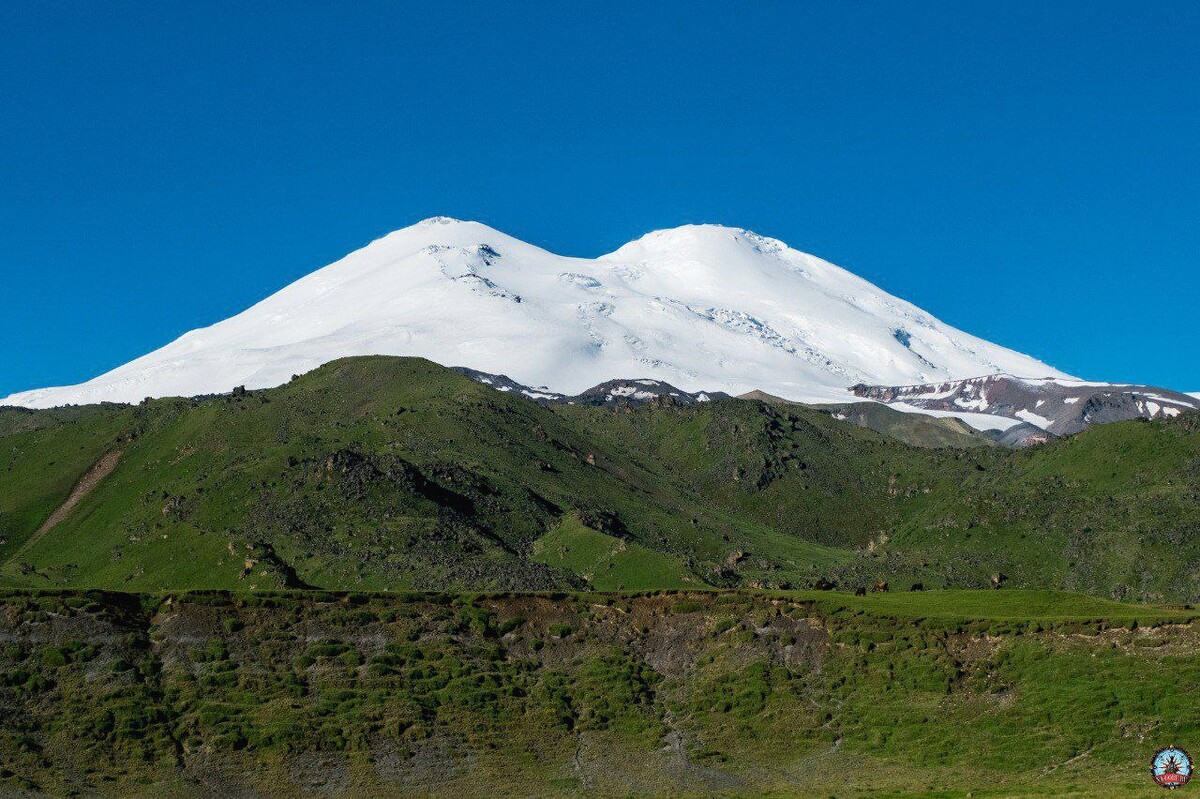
(703, 307)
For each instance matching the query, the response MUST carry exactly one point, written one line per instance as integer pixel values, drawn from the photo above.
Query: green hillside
(691, 694)
(919, 430)
(394, 474)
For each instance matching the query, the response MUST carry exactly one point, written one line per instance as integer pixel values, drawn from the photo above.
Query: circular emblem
(1171, 767)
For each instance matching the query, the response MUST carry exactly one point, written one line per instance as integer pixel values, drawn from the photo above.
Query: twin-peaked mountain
(687, 314)
(702, 307)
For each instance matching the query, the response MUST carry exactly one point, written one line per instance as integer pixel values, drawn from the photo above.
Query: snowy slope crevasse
(703, 307)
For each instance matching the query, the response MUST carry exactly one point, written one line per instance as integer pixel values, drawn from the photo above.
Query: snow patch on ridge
(979, 421)
(1033, 418)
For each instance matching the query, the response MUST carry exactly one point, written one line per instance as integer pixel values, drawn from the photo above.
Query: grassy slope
(917, 430)
(41, 459)
(608, 563)
(373, 473)
(706, 693)
(1114, 510)
(378, 473)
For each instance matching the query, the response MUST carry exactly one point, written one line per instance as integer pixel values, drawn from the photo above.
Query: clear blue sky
(1026, 171)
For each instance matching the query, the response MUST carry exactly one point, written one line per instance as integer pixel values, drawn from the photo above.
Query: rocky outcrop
(1058, 406)
(611, 393)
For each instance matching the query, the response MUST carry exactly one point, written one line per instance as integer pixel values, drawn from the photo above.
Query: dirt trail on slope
(91, 478)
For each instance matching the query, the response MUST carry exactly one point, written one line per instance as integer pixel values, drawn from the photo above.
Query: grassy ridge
(391, 473)
(694, 693)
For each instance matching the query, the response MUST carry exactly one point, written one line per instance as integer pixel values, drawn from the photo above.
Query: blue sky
(1026, 171)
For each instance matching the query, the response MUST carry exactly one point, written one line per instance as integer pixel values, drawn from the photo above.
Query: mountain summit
(703, 307)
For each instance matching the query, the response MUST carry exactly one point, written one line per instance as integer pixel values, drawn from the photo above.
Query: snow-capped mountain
(702, 307)
(1060, 406)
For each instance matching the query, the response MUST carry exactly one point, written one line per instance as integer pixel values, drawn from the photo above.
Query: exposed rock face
(507, 384)
(701, 693)
(611, 393)
(1058, 406)
(624, 392)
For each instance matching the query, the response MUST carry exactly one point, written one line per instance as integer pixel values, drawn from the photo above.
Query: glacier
(703, 307)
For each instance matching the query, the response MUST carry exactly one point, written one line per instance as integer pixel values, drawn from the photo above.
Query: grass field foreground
(557, 694)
